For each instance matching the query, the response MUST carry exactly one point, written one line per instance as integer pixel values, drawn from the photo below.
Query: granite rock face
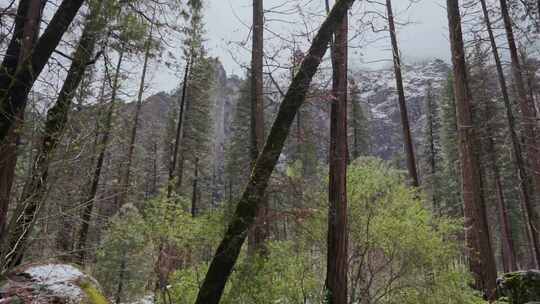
(50, 283)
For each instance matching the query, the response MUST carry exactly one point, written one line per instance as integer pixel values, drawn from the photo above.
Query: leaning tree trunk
(25, 33)
(90, 199)
(477, 238)
(247, 208)
(530, 130)
(14, 89)
(35, 189)
(407, 138)
(337, 255)
(179, 131)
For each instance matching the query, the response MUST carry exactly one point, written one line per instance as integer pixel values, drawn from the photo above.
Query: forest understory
(137, 166)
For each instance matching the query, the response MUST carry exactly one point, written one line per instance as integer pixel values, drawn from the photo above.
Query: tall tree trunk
(133, 137)
(432, 153)
(90, 199)
(356, 114)
(337, 255)
(179, 131)
(524, 178)
(259, 232)
(121, 275)
(508, 249)
(194, 194)
(247, 208)
(530, 132)
(35, 189)
(477, 238)
(25, 33)
(14, 89)
(407, 138)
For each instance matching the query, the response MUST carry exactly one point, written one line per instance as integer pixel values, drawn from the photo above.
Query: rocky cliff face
(379, 98)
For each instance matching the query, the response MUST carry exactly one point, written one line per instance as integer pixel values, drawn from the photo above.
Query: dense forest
(303, 178)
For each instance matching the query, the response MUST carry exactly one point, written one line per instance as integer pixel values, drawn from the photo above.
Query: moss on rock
(51, 283)
(93, 294)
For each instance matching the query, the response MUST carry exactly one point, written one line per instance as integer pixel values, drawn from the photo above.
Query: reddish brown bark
(247, 208)
(259, 233)
(530, 133)
(477, 238)
(337, 255)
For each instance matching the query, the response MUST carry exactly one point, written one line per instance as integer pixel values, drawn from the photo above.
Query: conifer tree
(451, 201)
(432, 150)
(359, 138)
(196, 141)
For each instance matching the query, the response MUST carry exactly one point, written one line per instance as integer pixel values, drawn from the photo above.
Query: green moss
(93, 294)
(521, 287)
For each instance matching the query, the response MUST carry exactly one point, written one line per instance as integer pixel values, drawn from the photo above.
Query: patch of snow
(58, 278)
(148, 299)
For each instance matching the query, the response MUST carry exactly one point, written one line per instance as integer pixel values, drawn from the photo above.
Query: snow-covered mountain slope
(379, 99)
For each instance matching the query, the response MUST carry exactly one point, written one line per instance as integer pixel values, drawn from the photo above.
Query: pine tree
(451, 200)
(432, 150)
(359, 138)
(196, 141)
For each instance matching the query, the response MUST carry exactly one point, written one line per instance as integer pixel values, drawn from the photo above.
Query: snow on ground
(148, 299)
(60, 279)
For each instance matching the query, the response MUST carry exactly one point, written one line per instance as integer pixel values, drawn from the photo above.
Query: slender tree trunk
(337, 255)
(259, 233)
(179, 131)
(14, 89)
(432, 153)
(228, 250)
(194, 196)
(35, 189)
(530, 132)
(407, 138)
(356, 112)
(524, 178)
(127, 174)
(508, 249)
(477, 238)
(121, 275)
(90, 200)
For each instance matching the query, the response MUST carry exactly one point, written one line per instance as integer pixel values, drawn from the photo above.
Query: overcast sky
(424, 37)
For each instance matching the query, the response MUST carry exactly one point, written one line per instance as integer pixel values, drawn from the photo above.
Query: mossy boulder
(520, 287)
(51, 283)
